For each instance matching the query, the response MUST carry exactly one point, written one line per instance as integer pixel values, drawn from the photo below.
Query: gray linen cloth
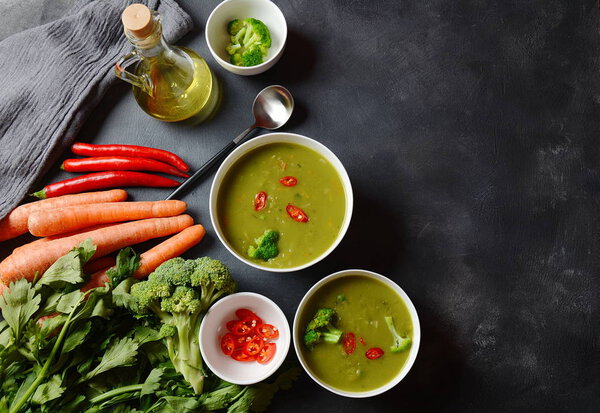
(52, 77)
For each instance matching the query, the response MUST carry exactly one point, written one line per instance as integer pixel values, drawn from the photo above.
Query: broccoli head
(322, 318)
(167, 330)
(400, 343)
(311, 338)
(250, 41)
(213, 278)
(176, 271)
(180, 292)
(266, 246)
(183, 300)
(321, 328)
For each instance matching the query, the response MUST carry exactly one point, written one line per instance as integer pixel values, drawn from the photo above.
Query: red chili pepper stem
(41, 194)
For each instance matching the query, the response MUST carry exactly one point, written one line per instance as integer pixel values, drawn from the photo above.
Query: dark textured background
(470, 132)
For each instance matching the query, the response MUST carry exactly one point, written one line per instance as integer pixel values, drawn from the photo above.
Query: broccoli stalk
(266, 246)
(400, 343)
(250, 41)
(179, 292)
(321, 328)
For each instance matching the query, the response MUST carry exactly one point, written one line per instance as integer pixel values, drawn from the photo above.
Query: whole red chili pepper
(119, 163)
(133, 151)
(103, 180)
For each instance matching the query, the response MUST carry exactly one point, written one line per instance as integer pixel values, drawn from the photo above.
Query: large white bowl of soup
(356, 333)
(281, 202)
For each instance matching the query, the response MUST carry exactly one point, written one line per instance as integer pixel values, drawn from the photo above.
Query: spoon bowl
(272, 107)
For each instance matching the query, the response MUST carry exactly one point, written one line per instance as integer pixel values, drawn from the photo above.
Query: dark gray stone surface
(470, 132)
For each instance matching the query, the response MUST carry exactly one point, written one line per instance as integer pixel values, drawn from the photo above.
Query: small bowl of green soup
(356, 333)
(281, 202)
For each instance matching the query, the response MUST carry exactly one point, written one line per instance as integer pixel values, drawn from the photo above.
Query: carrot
(38, 242)
(103, 263)
(25, 262)
(15, 223)
(151, 259)
(68, 219)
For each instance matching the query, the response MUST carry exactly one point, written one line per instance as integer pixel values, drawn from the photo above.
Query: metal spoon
(272, 108)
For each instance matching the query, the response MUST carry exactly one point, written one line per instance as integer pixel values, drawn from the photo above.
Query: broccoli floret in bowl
(321, 328)
(266, 246)
(250, 41)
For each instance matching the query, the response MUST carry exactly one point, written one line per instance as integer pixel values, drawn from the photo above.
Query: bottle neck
(152, 45)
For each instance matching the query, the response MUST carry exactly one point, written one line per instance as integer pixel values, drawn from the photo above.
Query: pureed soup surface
(366, 302)
(319, 193)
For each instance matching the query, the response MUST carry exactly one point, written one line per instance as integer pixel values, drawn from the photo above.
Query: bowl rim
(416, 339)
(283, 331)
(230, 66)
(280, 137)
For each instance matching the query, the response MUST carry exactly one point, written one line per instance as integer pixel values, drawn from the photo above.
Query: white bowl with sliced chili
(244, 338)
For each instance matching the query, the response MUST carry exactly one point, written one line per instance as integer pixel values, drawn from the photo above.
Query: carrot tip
(41, 194)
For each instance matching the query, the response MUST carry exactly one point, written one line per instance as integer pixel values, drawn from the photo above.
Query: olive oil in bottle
(169, 83)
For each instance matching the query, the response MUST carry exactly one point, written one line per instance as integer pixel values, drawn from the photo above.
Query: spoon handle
(209, 164)
(188, 182)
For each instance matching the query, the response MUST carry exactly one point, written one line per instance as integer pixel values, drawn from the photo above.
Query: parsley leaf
(121, 353)
(152, 383)
(48, 391)
(69, 267)
(18, 303)
(127, 263)
(77, 337)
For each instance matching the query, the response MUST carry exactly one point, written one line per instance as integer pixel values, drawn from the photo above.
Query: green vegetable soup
(316, 191)
(361, 303)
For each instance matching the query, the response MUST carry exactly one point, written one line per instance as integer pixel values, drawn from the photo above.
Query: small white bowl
(218, 38)
(280, 137)
(213, 328)
(416, 336)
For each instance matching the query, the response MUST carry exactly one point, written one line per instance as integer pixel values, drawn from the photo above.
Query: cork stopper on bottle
(137, 20)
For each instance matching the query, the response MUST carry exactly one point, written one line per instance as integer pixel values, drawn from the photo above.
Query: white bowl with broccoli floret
(298, 224)
(356, 333)
(246, 37)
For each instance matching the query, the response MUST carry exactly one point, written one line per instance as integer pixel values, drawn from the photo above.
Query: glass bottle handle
(142, 81)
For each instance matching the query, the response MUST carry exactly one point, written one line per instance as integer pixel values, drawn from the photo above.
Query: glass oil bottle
(169, 83)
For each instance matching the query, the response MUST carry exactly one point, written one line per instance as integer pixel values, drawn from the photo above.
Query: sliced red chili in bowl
(244, 313)
(254, 346)
(296, 213)
(374, 353)
(288, 181)
(241, 356)
(266, 353)
(260, 200)
(228, 344)
(349, 343)
(241, 329)
(250, 322)
(231, 324)
(267, 331)
(249, 338)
